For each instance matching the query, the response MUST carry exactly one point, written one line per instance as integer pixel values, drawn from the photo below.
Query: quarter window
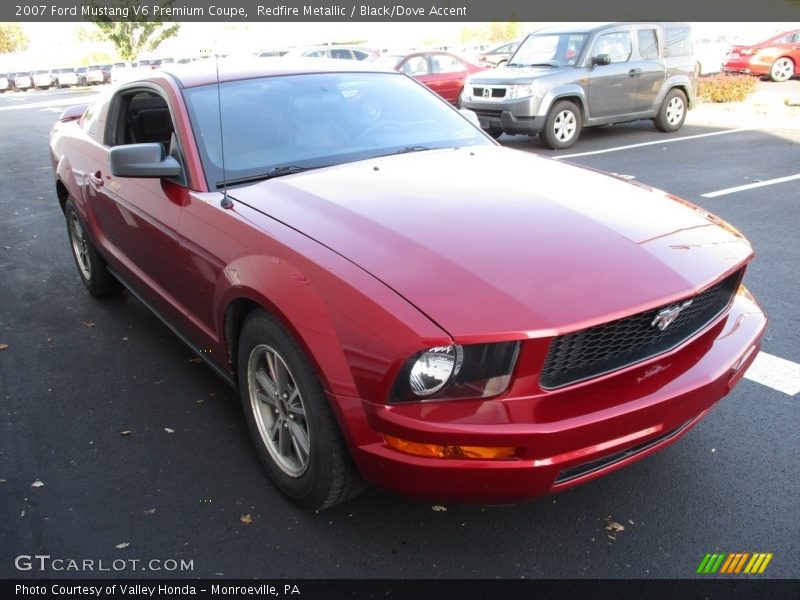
(648, 43)
(679, 42)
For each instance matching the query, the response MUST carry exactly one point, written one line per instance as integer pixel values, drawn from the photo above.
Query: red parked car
(777, 57)
(443, 72)
(395, 296)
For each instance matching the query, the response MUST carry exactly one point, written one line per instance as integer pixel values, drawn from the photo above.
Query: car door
(446, 75)
(612, 87)
(140, 216)
(648, 69)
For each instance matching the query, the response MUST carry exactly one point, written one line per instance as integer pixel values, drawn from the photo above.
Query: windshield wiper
(408, 149)
(272, 173)
(543, 64)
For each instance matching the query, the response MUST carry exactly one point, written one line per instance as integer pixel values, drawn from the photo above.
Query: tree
(12, 38)
(137, 33)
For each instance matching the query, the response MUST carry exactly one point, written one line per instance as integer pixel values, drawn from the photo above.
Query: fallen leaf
(631, 522)
(3, 346)
(22, 514)
(611, 537)
(196, 359)
(126, 432)
(168, 430)
(439, 508)
(125, 339)
(123, 545)
(2, 481)
(200, 401)
(50, 340)
(88, 324)
(150, 511)
(615, 527)
(37, 483)
(246, 519)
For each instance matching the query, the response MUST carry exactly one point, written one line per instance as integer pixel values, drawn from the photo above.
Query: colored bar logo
(735, 563)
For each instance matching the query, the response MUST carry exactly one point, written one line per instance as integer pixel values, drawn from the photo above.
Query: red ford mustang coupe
(396, 297)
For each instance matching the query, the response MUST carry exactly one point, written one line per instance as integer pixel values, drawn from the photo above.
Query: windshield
(315, 120)
(549, 49)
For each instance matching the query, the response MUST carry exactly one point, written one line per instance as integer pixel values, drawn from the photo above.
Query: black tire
(495, 133)
(91, 266)
(563, 126)
(322, 476)
(672, 113)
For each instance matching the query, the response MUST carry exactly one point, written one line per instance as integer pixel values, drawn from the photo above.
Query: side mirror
(73, 113)
(601, 59)
(142, 160)
(470, 116)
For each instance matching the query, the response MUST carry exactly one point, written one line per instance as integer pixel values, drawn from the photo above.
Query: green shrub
(725, 88)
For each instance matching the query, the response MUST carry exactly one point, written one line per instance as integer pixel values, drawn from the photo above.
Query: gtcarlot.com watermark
(46, 562)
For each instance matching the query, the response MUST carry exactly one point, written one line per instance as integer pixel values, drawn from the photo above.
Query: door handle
(635, 72)
(96, 178)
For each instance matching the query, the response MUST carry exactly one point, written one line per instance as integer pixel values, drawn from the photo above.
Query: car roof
(209, 71)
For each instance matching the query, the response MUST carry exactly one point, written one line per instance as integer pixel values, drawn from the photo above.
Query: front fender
(356, 331)
(572, 90)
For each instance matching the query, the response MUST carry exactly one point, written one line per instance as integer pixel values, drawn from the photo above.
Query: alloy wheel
(79, 246)
(278, 410)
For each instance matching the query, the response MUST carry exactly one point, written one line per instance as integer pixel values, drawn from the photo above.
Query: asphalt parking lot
(78, 372)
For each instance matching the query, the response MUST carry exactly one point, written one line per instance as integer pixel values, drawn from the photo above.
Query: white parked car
(5, 84)
(43, 79)
(66, 77)
(94, 75)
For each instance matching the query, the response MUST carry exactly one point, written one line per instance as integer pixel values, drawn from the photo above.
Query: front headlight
(520, 91)
(450, 372)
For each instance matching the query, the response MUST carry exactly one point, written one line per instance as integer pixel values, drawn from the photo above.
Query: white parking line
(654, 143)
(778, 373)
(750, 186)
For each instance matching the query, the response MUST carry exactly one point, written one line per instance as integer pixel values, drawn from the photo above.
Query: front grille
(493, 92)
(597, 350)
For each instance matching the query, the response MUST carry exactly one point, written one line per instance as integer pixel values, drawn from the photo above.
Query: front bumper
(514, 117)
(564, 437)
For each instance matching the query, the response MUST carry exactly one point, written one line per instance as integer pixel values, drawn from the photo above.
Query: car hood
(508, 75)
(496, 243)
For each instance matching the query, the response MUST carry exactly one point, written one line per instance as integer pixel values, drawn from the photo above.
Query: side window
(616, 45)
(441, 63)
(678, 42)
(341, 53)
(416, 65)
(648, 43)
(142, 117)
(360, 55)
(316, 54)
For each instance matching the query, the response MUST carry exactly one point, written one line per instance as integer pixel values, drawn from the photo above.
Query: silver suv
(571, 76)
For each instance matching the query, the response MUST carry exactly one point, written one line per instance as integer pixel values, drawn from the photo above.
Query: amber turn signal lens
(439, 451)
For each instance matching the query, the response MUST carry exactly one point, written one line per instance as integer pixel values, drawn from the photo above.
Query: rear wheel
(672, 113)
(563, 126)
(292, 425)
(782, 69)
(91, 266)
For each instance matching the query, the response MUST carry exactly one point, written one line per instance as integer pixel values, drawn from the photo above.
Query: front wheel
(672, 113)
(782, 69)
(295, 432)
(563, 126)
(91, 266)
